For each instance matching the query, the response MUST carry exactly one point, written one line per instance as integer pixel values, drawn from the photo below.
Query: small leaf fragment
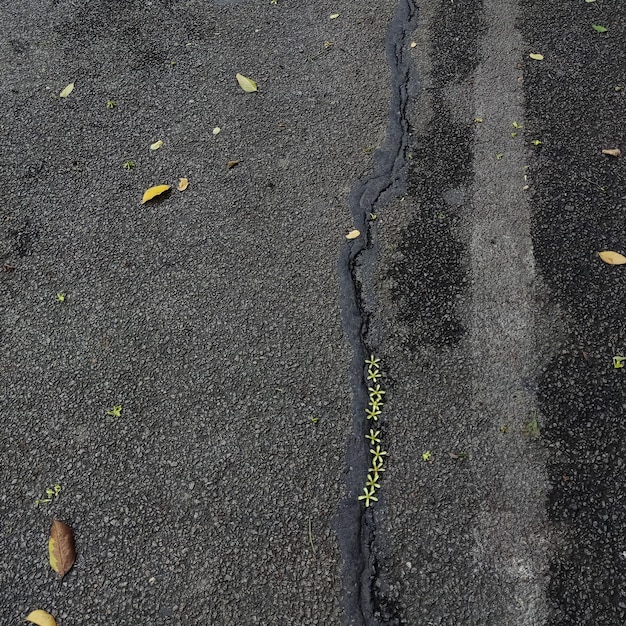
(414, 44)
(183, 183)
(618, 362)
(217, 130)
(41, 618)
(536, 56)
(247, 84)
(153, 192)
(67, 91)
(598, 28)
(353, 234)
(231, 164)
(614, 152)
(61, 548)
(478, 120)
(156, 145)
(612, 258)
(334, 16)
(589, 1)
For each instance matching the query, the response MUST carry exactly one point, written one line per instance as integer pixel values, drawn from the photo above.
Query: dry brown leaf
(614, 152)
(353, 234)
(232, 164)
(247, 84)
(153, 192)
(41, 618)
(61, 548)
(183, 183)
(67, 91)
(612, 258)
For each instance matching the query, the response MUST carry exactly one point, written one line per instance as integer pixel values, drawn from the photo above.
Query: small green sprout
(273, 1)
(374, 436)
(60, 296)
(368, 495)
(618, 88)
(373, 374)
(517, 126)
(427, 456)
(618, 362)
(128, 165)
(504, 429)
(111, 104)
(372, 361)
(373, 413)
(499, 155)
(373, 216)
(315, 419)
(52, 493)
(116, 411)
(536, 142)
(513, 135)
(378, 453)
(478, 120)
(376, 393)
(377, 466)
(372, 481)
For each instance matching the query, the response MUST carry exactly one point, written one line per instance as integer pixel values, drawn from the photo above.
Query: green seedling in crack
(374, 436)
(128, 165)
(368, 495)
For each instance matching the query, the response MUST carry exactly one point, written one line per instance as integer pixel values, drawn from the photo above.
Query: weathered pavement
(229, 318)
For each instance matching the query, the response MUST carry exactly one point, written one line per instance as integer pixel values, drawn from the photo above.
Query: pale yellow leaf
(614, 152)
(183, 183)
(153, 192)
(217, 130)
(247, 84)
(536, 56)
(353, 234)
(67, 91)
(41, 618)
(612, 258)
(414, 44)
(156, 145)
(334, 16)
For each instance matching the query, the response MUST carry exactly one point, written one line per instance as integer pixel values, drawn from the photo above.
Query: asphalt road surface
(191, 371)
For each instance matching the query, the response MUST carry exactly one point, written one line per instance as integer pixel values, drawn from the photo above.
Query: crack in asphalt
(364, 598)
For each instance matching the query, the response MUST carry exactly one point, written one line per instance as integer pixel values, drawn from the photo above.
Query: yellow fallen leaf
(612, 258)
(156, 145)
(536, 56)
(41, 618)
(61, 548)
(153, 192)
(247, 84)
(183, 183)
(353, 234)
(414, 44)
(614, 152)
(67, 91)
(334, 16)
